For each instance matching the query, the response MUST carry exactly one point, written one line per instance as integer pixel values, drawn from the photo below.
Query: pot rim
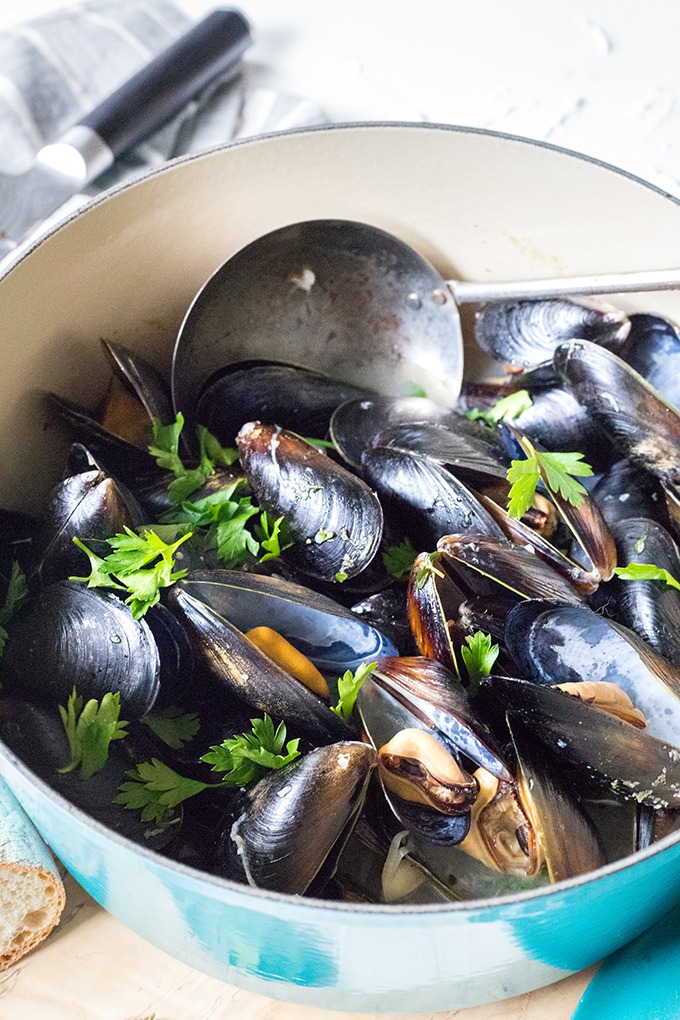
(317, 905)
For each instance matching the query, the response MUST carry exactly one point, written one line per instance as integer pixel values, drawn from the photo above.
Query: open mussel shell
(422, 498)
(643, 425)
(566, 836)
(557, 421)
(653, 350)
(143, 380)
(297, 819)
(175, 654)
(504, 568)
(459, 443)
(127, 463)
(524, 333)
(650, 608)
(69, 635)
(295, 398)
(425, 786)
(330, 636)
(552, 644)
(246, 672)
(428, 695)
(584, 578)
(626, 490)
(355, 424)
(89, 506)
(585, 522)
(432, 600)
(335, 520)
(616, 756)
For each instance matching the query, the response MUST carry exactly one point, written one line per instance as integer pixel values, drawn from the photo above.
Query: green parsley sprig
(90, 727)
(156, 790)
(349, 685)
(479, 656)
(172, 725)
(556, 470)
(226, 519)
(165, 449)
(140, 564)
(399, 559)
(16, 595)
(506, 409)
(646, 572)
(246, 757)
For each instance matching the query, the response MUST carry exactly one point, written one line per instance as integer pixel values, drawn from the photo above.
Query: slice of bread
(31, 902)
(31, 891)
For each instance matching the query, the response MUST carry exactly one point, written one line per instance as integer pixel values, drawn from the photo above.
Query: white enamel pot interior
(480, 206)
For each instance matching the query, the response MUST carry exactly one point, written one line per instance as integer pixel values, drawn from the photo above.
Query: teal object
(641, 981)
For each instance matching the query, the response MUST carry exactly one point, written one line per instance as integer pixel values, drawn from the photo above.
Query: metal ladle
(352, 301)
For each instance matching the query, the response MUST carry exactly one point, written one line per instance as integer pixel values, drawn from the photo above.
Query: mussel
(297, 820)
(334, 519)
(69, 635)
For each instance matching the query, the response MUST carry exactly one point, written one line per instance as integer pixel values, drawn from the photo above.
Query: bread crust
(37, 927)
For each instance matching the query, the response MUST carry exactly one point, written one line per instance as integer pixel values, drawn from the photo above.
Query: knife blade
(141, 105)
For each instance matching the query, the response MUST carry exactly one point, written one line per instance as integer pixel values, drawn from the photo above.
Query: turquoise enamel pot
(480, 206)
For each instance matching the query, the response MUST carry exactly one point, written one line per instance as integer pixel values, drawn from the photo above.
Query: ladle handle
(608, 283)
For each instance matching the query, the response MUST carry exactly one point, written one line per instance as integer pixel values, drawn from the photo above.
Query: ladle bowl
(349, 296)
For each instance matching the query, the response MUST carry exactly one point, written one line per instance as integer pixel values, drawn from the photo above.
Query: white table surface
(597, 76)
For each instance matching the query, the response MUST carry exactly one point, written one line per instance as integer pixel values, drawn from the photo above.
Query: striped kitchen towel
(55, 68)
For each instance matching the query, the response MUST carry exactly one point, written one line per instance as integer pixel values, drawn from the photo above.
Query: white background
(597, 76)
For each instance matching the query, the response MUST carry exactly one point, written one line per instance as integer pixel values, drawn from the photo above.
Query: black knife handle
(157, 92)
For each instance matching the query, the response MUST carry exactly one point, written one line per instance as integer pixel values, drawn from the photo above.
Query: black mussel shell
(175, 654)
(432, 600)
(643, 425)
(429, 696)
(566, 834)
(432, 825)
(234, 661)
(553, 643)
(627, 761)
(298, 819)
(513, 569)
(132, 465)
(332, 637)
(355, 424)
(142, 379)
(557, 421)
(422, 498)
(69, 635)
(626, 490)
(650, 608)
(524, 333)
(653, 350)
(295, 398)
(467, 447)
(584, 577)
(334, 518)
(89, 506)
